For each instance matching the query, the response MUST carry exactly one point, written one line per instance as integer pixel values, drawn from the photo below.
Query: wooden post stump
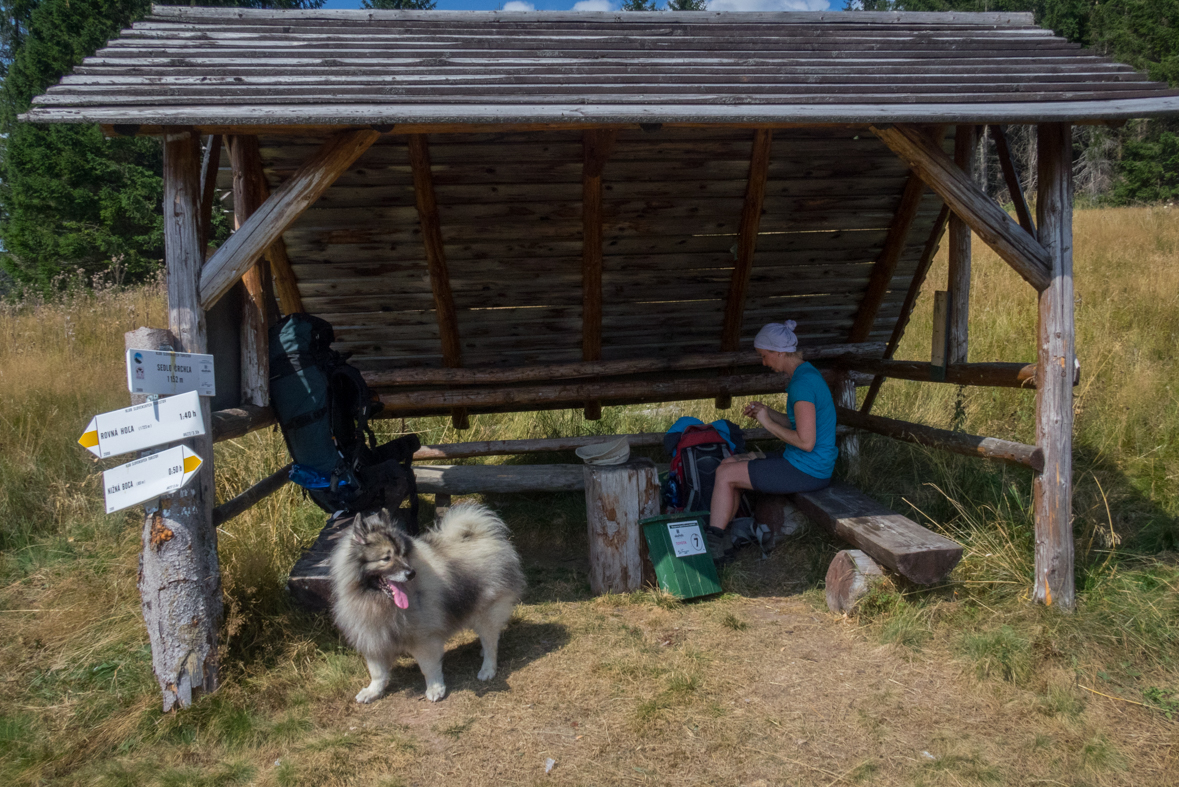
(617, 497)
(441, 506)
(779, 513)
(851, 576)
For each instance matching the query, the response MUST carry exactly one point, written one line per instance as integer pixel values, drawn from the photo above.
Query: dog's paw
(487, 673)
(369, 694)
(436, 692)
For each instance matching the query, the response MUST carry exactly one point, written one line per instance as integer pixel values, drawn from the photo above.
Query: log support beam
(596, 146)
(259, 309)
(890, 255)
(990, 222)
(751, 210)
(179, 576)
(954, 442)
(1011, 177)
(898, 330)
(1052, 485)
(427, 204)
(267, 224)
(958, 286)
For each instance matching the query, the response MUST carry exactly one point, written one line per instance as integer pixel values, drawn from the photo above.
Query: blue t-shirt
(808, 385)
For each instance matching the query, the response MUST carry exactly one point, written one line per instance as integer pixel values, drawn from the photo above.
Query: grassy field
(968, 683)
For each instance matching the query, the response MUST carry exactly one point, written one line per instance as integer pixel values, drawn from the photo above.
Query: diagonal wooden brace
(990, 222)
(267, 224)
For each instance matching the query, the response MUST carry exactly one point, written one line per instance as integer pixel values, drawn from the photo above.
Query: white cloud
(518, 5)
(768, 5)
(593, 5)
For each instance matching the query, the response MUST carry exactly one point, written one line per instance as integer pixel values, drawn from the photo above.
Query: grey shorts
(777, 476)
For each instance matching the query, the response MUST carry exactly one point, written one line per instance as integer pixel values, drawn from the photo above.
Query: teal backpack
(324, 406)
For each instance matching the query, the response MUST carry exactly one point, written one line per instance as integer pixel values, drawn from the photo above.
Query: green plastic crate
(691, 573)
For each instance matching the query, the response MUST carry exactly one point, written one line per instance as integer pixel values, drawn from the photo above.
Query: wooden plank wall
(510, 210)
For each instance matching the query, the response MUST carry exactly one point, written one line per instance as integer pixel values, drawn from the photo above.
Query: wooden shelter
(530, 210)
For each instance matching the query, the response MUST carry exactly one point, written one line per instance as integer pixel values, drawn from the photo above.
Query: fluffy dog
(395, 594)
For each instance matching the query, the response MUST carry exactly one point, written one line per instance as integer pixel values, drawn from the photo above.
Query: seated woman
(807, 427)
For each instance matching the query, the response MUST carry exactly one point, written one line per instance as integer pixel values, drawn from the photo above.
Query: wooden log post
(849, 444)
(444, 310)
(596, 146)
(441, 506)
(751, 210)
(259, 309)
(1052, 485)
(179, 575)
(617, 497)
(851, 576)
(958, 284)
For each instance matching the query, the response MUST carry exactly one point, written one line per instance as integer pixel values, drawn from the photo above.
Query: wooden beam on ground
(898, 331)
(1052, 485)
(259, 310)
(886, 263)
(179, 574)
(423, 185)
(562, 371)
(285, 205)
(895, 541)
(990, 222)
(954, 442)
(751, 210)
(209, 167)
(1011, 177)
(958, 278)
(596, 146)
(252, 496)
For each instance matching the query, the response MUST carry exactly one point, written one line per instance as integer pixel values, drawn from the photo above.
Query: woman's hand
(758, 411)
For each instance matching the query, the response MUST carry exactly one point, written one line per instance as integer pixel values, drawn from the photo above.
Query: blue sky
(565, 5)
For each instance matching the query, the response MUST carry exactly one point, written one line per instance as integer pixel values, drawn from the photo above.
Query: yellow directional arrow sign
(148, 478)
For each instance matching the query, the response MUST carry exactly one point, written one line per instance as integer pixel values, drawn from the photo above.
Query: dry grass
(963, 684)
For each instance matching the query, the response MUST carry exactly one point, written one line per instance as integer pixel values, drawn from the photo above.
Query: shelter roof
(214, 66)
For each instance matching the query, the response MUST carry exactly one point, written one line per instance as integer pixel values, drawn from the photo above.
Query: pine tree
(686, 5)
(640, 5)
(71, 199)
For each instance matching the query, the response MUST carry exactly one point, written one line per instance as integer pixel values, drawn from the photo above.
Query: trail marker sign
(169, 373)
(148, 478)
(144, 425)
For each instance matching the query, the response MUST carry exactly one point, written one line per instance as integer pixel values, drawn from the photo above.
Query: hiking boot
(743, 532)
(719, 545)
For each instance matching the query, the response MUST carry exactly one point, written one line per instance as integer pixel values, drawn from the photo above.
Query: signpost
(148, 478)
(168, 373)
(144, 425)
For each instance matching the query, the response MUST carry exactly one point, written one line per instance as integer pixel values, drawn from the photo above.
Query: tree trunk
(179, 575)
(850, 577)
(617, 497)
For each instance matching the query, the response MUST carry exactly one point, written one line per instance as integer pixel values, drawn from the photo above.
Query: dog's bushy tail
(472, 520)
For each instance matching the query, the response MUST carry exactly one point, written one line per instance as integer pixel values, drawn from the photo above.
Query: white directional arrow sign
(149, 477)
(144, 425)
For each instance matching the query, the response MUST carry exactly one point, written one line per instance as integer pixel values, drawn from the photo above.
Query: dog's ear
(386, 517)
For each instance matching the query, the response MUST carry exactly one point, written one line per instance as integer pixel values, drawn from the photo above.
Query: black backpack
(696, 453)
(323, 407)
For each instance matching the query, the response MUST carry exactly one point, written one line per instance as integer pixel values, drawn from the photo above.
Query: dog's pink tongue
(399, 597)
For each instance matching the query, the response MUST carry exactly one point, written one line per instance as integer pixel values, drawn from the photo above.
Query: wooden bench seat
(894, 541)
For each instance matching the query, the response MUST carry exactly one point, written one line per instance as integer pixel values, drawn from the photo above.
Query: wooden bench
(894, 541)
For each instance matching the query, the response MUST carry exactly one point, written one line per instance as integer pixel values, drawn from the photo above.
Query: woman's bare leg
(731, 477)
